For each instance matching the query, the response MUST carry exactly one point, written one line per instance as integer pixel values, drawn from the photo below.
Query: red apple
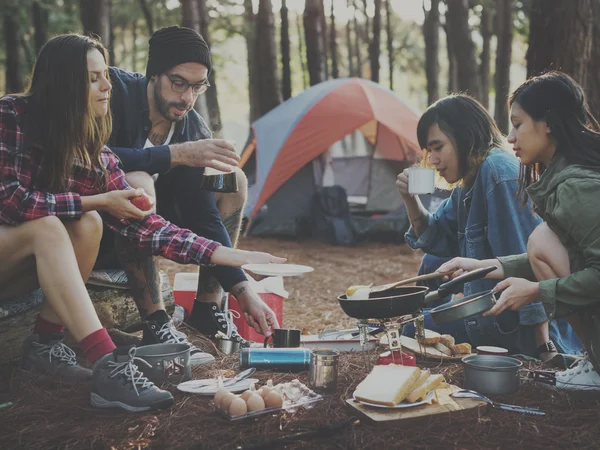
(144, 202)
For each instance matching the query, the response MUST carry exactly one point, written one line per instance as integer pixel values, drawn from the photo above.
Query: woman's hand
(459, 266)
(117, 203)
(516, 293)
(402, 184)
(225, 256)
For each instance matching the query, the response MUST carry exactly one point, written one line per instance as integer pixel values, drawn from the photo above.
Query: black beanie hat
(176, 45)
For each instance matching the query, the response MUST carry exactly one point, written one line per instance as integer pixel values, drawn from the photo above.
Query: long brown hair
(63, 124)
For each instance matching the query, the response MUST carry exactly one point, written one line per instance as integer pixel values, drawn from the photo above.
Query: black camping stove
(392, 327)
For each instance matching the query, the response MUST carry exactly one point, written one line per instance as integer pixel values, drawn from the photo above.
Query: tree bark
(286, 72)
(452, 63)
(95, 17)
(485, 66)
(324, 37)
(431, 33)
(301, 52)
(212, 100)
(351, 72)
(593, 88)
(14, 69)
(313, 36)
(147, 16)
(39, 12)
(266, 52)
(390, 42)
(253, 90)
(134, 48)
(457, 20)
(560, 38)
(375, 43)
(357, 43)
(504, 32)
(335, 72)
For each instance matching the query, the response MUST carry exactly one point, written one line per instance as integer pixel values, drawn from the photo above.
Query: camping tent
(349, 132)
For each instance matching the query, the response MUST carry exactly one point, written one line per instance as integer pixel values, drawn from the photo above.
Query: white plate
(273, 270)
(401, 404)
(196, 386)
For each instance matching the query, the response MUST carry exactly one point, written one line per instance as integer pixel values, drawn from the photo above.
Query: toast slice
(461, 349)
(447, 340)
(387, 385)
(430, 338)
(430, 384)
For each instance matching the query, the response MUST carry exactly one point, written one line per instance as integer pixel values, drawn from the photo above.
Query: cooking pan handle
(447, 287)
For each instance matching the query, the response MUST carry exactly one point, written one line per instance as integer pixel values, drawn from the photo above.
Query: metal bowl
(463, 307)
(168, 362)
(489, 374)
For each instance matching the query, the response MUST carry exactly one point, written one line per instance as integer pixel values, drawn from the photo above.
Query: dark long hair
(61, 121)
(467, 123)
(559, 100)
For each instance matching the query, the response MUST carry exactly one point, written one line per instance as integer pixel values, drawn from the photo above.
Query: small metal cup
(228, 346)
(324, 370)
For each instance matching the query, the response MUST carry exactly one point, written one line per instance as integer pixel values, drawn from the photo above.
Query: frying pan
(464, 307)
(403, 300)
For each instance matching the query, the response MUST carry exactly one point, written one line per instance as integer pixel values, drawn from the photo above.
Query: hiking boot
(210, 320)
(581, 376)
(163, 331)
(118, 383)
(53, 358)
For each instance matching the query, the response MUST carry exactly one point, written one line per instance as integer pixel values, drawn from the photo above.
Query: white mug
(421, 180)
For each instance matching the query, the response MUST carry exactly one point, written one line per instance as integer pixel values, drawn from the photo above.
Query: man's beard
(164, 107)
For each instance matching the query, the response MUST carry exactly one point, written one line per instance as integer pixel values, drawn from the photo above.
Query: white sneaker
(581, 376)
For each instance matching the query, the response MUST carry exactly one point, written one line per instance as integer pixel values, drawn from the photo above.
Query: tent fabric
(297, 131)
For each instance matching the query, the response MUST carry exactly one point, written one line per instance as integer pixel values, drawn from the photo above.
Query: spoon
(466, 393)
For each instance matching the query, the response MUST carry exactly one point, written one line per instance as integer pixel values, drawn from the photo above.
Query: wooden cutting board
(426, 352)
(444, 405)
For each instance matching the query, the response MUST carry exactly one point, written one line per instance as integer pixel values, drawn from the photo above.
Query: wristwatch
(547, 347)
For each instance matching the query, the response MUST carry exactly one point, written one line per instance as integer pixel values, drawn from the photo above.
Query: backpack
(332, 222)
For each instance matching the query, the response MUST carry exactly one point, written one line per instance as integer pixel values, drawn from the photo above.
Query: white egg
(361, 293)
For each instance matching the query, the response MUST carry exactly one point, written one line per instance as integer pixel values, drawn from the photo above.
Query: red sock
(47, 330)
(96, 345)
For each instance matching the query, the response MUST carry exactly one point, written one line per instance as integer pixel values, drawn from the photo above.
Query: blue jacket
(484, 222)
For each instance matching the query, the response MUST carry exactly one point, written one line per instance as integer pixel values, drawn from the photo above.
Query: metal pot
(492, 374)
(464, 307)
(168, 362)
(403, 300)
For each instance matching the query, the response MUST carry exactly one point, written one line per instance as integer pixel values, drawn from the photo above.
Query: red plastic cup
(401, 357)
(488, 350)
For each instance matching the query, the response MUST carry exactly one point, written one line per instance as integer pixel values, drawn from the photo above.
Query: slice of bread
(430, 338)
(442, 348)
(461, 349)
(387, 385)
(430, 384)
(447, 340)
(421, 380)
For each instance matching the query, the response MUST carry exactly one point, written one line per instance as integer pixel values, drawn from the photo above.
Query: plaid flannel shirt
(21, 201)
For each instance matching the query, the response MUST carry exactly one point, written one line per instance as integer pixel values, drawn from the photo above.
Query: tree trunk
(313, 36)
(357, 43)
(431, 33)
(266, 52)
(39, 12)
(560, 38)
(504, 32)
(14, 69)
(390, 42)
(485, 66)
(111, 36)
(324, 37)
(593, 90)
(452, 64)
(375, 43)
(351, 71)
(335, 72)
(457, 20)
(301, 53)
(134, 48)
(253, 90)
(286, 72)
(147, 16)
(212, 100)
(95, 18)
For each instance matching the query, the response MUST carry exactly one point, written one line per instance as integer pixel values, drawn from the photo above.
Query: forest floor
(48, 415)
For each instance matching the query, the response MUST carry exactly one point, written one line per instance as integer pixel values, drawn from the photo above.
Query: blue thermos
(284, 359)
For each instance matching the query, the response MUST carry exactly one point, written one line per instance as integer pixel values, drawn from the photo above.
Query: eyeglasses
(181, 86)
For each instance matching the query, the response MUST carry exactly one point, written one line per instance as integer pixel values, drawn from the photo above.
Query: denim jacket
(484, 222)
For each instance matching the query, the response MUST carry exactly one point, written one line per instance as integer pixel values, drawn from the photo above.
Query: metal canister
(324, 369)
(286, 359)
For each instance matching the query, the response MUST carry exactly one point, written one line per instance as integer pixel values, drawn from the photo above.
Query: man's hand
(516, 293)
(216, 153)
(256, 312)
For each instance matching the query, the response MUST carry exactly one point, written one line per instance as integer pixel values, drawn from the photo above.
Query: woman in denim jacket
(482, 219)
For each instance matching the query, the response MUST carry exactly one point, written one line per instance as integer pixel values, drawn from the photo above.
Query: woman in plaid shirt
(58, 183)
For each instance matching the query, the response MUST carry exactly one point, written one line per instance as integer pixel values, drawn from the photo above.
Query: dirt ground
(48, 415)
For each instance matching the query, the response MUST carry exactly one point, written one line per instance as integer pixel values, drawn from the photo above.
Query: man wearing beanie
(159, 136)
